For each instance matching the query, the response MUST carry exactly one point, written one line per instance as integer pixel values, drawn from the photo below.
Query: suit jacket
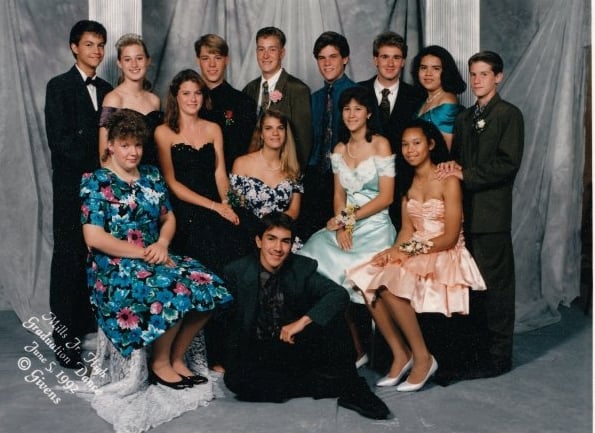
(235, 113)
(409, 99)
(490, 153)
(306, 292)
(295, 103)
(71, 124)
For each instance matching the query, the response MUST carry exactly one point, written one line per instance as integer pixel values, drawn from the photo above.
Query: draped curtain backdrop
(542, 41)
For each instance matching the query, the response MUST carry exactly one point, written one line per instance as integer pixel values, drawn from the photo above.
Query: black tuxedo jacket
(306, 292)
(409, 99)
(295, 103)
(71, 124)
(235, 113)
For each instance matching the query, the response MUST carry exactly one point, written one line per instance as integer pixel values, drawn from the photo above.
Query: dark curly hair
(125, 123)
(451, 78)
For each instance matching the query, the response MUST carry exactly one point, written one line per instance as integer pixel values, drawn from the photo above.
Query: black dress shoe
(197, 379)
(181, 384)
(486, 372)
(362, 400)
(70, 358)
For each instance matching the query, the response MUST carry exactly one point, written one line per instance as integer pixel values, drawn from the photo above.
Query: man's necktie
(90, 80)
(384, 106)
(327, 132)
(264, 100)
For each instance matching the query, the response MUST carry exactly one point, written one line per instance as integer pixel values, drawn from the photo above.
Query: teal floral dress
(135, 301)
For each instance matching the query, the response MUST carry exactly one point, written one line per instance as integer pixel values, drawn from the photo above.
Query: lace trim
(125, 399)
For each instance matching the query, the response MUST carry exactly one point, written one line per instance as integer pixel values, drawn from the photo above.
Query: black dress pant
(317, 202)
(69, 294)
(494, 257)
(319, 364)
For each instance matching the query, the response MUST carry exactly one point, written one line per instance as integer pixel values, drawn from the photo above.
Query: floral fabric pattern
(260, 198)
(136, 302)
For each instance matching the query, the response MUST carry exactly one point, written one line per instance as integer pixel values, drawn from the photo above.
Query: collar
(83, 75)
(272, 81)
(379, 87)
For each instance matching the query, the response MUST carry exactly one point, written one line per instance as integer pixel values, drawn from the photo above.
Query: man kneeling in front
(289, 338)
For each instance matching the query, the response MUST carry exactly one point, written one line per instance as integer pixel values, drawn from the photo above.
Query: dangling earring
(260, 142)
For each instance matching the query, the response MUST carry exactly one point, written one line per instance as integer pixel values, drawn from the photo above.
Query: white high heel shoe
(362, 361)
(407, 386)
(392, 381)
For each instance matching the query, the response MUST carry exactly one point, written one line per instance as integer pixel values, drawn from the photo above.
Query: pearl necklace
(434, 96)
(267, 166)
(349, 151)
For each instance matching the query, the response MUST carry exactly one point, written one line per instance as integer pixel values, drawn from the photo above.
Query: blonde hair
(127, 40)
(288, 156)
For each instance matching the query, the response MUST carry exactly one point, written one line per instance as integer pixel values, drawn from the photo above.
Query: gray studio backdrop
(544, 44)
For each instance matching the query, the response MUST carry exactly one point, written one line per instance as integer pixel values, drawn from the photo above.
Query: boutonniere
(275, 96)
(480, 125)
(228, 117)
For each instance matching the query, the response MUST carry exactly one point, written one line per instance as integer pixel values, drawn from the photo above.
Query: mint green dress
(370, 235)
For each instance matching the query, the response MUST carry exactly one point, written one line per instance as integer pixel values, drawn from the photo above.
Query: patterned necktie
(264, 101)
(477, 111)
(327, 132)
(384, 106)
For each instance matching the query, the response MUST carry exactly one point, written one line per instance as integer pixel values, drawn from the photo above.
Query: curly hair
(451, 78)
(125, 123)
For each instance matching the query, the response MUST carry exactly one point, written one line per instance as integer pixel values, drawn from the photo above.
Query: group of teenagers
(279, 221)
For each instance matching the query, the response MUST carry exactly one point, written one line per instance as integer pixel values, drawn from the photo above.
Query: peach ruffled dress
(434, 282)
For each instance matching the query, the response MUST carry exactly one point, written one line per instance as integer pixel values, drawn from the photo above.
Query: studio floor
(550, 389)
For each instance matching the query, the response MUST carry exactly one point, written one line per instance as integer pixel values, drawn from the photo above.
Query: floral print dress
(135, 301)
(260, 198)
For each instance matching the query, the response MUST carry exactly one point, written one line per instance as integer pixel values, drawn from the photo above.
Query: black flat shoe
(197, 379)
(181, 384)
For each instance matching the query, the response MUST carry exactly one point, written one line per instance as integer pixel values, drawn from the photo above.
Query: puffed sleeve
(92, 201)
(385, 165)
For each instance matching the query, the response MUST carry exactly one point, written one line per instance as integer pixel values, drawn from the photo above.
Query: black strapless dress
(202, 233)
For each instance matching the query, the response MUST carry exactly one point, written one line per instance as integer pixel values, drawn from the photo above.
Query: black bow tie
(90, 80)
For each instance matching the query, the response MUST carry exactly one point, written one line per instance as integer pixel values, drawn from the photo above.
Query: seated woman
(435, 72)
(267, 180)
(428, 269)
(192, 161)
(144, 296)
(364, 170)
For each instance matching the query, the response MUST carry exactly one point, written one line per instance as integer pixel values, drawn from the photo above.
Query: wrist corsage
(346, 218)
(415, 247)
(235, 199)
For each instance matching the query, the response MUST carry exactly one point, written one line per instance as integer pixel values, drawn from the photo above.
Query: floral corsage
(229, 118)
(275, 96)
(415, 247)
(479, 125)
(235, 199)
(346, 218)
